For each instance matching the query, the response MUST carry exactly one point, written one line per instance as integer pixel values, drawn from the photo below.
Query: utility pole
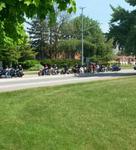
(82, 54)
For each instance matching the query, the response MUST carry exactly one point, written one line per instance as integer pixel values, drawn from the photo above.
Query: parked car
(115, 68)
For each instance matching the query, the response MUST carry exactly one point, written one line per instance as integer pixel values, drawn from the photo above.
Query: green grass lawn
(91, 116)
(30, 72)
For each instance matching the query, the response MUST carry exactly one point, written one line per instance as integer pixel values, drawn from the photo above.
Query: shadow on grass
(106, 74)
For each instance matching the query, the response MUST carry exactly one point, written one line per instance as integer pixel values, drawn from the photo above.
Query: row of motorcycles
(11, 72)
(91, 68)
(54, 70)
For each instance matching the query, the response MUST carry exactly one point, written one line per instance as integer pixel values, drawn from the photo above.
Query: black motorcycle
(5, 73)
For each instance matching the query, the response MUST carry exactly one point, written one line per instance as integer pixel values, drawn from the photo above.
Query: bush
(60, 62)
(29, 63)
(36, 67)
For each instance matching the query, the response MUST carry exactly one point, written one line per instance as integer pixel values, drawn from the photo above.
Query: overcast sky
(100, 10)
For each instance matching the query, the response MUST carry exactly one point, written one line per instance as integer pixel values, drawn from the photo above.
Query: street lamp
(82, 55)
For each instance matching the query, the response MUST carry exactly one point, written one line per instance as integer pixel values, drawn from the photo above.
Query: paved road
(30, 81)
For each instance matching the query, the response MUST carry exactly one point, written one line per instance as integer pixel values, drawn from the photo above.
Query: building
(124, 60)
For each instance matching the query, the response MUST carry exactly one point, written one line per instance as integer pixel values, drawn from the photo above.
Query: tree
(13, 12)
(9, 55)
(39, 33)
(64, 35)
(8, 47)
(72, 46)
(11, 51)
(123, 28)
(45, 36)
(26, 51)
(95, 43)
(131, 2)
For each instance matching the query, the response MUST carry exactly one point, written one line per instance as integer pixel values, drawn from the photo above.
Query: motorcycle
(10, 73)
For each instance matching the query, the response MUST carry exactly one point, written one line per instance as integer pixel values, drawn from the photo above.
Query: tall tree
(38, 32)
(45, 35)
(123, 28)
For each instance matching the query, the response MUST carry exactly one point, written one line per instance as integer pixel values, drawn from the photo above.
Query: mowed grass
(92, 116)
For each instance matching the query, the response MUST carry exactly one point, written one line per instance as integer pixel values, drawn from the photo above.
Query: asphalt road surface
(31, 81)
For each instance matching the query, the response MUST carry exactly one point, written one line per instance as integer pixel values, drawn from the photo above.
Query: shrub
(29, 63)
(36, 67)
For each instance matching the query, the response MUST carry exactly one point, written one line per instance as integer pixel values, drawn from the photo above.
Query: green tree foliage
(95, 43)
(39, 34)
(45, 36)
(104, 54)
(123, 28)
(8, 51)
(64, 35)
(13, 12)
(26, 52)
(131, 2)
(13, 50)
(71, 46)
(9, 55)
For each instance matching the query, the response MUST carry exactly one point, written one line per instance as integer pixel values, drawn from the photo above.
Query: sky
(100, 10)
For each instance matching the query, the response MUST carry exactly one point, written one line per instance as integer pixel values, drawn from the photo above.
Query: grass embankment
(93, 116)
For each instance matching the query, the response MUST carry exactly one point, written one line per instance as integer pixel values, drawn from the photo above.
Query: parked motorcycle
(11, 72)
